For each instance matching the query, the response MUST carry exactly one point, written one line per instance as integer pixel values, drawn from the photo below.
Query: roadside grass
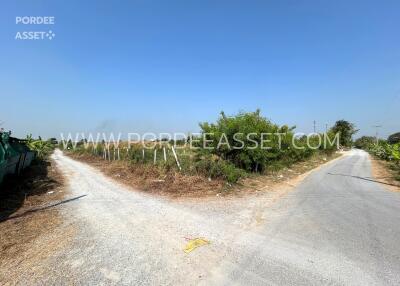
(387, 151)
(283, 175)
(387, 173)
(166, 179)
(245, 152)
(20, 223)
(163, 179)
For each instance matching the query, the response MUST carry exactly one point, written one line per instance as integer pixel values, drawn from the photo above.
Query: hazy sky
(164, 66)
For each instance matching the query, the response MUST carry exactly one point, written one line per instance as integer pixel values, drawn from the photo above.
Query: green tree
(346, 130)
(394, 138)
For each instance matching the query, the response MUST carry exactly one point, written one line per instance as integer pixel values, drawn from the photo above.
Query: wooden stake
(176, 158)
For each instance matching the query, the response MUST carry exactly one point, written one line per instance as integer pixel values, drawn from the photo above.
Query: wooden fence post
(176, 158)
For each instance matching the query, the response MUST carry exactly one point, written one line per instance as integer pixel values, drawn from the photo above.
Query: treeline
(388, 150)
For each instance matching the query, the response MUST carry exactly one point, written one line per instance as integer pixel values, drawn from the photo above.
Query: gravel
(332, 229)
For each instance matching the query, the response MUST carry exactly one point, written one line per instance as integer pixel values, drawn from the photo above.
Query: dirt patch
(29, 221)
(150, 179)
(286, 177)
(174, 184)
(384, 172)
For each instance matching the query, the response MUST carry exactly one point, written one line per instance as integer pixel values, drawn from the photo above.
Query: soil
(149, 179)
(383, 172)
(286, 176)
(29, 219)
(176, 185)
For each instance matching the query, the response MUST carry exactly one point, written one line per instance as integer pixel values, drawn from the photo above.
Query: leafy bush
(42, 148)
(396, 152)
(365, 142)
(389, 152)
(386, 151)
(240, 140)
(214, 167)
(234, 138)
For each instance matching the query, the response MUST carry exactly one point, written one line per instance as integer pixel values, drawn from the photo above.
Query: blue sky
(165, 66)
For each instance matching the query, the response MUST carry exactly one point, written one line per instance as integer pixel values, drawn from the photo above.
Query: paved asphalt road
(338, 227)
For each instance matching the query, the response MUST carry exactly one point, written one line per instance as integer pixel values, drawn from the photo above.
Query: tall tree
(394, 138)
(346, 130)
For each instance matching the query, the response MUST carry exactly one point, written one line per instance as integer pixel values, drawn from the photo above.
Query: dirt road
(338, 227)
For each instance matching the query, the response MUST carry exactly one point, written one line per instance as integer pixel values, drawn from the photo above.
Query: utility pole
(326, 128)
(315, 127)
(376, 132)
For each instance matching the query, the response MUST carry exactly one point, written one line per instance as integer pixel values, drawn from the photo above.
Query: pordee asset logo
(35, 35)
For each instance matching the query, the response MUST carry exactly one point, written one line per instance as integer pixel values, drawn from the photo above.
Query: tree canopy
(346, 130)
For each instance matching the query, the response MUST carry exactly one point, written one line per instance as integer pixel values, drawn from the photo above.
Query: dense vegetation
(388, 150)
(43, 148)
(228, 148)
(253, 143)
(346, 130)
(364, 142)
(394, 138)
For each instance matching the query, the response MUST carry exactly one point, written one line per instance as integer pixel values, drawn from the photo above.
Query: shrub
(42, 148)
(386, 151)
(234, 138)
(243, 141)
(365, 142)
(214, 167)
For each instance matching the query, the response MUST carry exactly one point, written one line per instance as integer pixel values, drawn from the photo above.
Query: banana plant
(42, 148)
(396, 152)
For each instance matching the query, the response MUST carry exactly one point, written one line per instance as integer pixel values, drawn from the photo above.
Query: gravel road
(336, 227)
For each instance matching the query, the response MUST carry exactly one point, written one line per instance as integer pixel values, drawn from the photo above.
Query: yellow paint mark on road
(194, 243)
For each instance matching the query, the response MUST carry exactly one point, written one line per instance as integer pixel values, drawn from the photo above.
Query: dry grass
(173, 184)
(285, 177)
(151, 179)
(383, 172)
(29, 232)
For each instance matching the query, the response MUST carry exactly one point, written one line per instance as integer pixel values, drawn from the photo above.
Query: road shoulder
(179, 186)
(383, 174)
(31, 226)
